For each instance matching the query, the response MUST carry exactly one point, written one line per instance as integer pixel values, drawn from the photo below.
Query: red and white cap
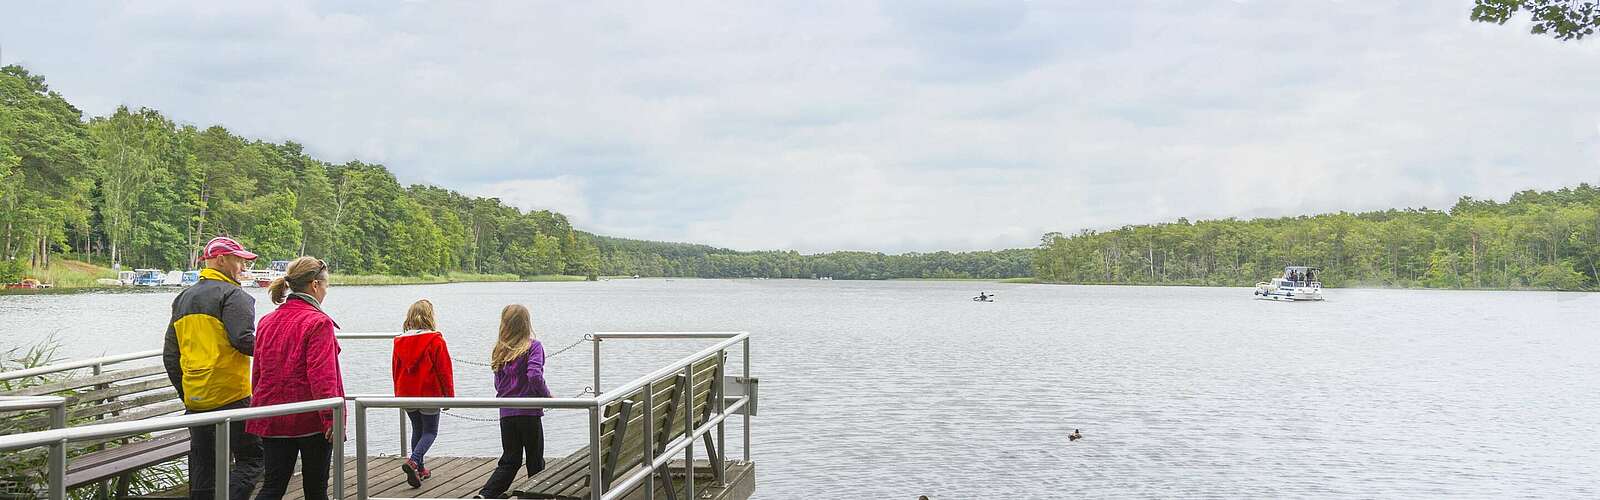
(223, 245)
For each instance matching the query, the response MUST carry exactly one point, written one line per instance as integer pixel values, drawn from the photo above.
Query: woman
(421, 368)
(296, 359)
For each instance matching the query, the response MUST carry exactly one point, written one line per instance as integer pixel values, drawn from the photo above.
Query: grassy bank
(454, 277)
(64, 273)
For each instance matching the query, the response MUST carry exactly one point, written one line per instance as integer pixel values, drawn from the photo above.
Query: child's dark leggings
(520, 436)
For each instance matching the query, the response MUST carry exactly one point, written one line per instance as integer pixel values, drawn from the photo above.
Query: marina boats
(277, 269)
(1298, 283)
(149, 277)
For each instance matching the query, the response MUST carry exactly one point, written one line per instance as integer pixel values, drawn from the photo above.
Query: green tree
(1561, 19)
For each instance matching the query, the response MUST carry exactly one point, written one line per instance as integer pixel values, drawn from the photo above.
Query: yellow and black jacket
(209, 342)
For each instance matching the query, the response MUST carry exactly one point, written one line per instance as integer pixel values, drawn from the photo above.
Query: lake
(899, 389)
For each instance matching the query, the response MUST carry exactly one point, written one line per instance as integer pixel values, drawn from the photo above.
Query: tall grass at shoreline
(453, 277)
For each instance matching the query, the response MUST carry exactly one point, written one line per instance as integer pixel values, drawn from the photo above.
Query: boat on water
(277, 269)
(191, 277)
(983, 297)
(126, 278)
(1298, 283)
(149, 277)
(174, 278)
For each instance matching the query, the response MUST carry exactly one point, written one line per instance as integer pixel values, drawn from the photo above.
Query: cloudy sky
(887, 126)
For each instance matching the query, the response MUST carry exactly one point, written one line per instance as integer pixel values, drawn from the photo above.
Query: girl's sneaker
(425, 474)
(412, 478)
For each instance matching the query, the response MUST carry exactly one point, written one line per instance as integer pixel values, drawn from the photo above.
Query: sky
(858, 125)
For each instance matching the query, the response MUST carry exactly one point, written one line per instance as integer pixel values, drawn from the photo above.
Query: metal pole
(747, 397)
(596, 487)
(688, 433)
(597, 367)
(405, 441)
(336, 435)
(224, 459)
(361, 450)
(650, 440)
(58, 470)
(720, 464)
(58, 453)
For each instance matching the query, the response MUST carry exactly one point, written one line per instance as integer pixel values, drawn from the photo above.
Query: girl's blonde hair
(420, 316)
(516, 336)
(298, 277)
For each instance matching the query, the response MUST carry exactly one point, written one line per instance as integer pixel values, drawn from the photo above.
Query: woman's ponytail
(297, 278)
(278, 290)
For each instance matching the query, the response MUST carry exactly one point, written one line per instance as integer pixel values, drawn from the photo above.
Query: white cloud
(902, 126)
(563, 194)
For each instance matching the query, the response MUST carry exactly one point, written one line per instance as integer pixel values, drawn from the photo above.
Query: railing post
(597, 367)
(336, 435)
(596, 487)
(747, 402)
(719, 456)
(688, 433)
(224, 450)
(361, 450)
(58, 453)
(650, 440)
(58, 470)
(405, 441)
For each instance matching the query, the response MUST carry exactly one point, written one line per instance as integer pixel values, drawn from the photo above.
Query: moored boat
(277, 269)
(1298, 283)
(149, 277)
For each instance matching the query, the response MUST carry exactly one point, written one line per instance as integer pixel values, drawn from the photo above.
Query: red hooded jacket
(421, 366)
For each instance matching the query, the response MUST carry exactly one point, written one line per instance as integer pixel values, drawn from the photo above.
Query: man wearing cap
(207, 355)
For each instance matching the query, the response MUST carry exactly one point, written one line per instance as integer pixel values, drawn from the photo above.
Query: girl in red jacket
(421, 368)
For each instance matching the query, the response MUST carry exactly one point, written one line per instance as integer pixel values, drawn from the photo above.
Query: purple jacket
(523, 378)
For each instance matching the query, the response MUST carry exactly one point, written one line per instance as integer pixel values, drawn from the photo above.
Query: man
(207, 355)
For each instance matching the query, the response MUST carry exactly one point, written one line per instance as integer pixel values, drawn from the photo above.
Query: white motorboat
(1299, 283)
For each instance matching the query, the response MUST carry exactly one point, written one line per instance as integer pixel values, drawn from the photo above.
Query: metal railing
(653, 463)
(57, 439)
(97, 363)
(57, 475)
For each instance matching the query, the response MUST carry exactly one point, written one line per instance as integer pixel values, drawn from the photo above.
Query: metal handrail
(611, 395)
(133, 356)
(74, 365)
(56, 476)
(593, 406)
(57, 439)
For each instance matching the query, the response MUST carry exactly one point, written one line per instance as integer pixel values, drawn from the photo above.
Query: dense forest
(1537, 239)
(652, 258)
(140, 189)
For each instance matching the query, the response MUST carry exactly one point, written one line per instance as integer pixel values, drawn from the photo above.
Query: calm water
(895, 389)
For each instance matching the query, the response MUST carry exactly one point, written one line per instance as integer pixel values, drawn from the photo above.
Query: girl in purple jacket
(518, 363)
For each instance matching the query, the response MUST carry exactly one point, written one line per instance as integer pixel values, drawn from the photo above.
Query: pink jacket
(296, 359)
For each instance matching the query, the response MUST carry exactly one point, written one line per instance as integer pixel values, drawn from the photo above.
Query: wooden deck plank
(465, 483)
(444, 467)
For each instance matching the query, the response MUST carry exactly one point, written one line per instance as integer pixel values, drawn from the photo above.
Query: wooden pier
(460, 477)
(98, 432)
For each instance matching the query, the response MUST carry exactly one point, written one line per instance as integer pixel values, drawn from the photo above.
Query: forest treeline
(1536, 239)
(138, 188)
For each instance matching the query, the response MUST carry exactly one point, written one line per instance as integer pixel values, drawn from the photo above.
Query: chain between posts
(586, 390)
(586, 338)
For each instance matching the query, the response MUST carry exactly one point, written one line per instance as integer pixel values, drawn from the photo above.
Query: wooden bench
(113, 396)
(622, 436)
